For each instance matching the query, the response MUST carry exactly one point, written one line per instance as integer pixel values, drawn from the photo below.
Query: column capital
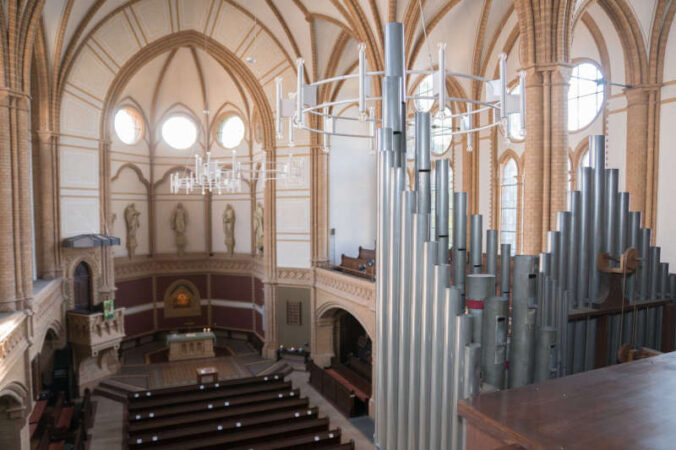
(45, 135)
(638, 94)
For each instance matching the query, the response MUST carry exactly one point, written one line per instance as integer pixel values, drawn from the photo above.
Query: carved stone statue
(132, 223)
(229, 228)
(179, 222)
(258, 229)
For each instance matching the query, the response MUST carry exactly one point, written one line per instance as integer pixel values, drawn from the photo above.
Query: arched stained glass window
(509, 198)
(425, 89)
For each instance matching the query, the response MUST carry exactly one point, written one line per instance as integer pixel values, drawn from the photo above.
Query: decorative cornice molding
(346, 286)
(295, 276)
(126, 269)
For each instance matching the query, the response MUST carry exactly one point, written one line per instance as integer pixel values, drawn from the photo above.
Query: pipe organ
(445, 329)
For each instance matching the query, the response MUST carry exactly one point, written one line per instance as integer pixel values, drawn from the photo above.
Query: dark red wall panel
(258, 319)
(239, 318)
(259, 292)
(231, 287)
(134, 292)
(139, 323)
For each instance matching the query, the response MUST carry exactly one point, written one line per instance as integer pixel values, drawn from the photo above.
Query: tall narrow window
(509, 203)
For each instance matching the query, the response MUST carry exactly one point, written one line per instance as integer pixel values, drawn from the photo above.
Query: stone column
(270, 308)
(637, 143)
(7, 280)
(546, 152)
(46, 213)
(23, 207)
(534, 164)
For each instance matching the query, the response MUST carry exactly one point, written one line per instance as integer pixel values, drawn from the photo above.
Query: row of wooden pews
(347, 386)
(364, 265)
(57, 423)
(263, 412)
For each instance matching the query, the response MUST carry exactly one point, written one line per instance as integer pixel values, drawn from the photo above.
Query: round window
(230, 131)
(179, 132)
(128, 125)
(585, 95)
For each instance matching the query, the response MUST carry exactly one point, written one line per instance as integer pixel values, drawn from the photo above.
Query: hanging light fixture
(304, 101)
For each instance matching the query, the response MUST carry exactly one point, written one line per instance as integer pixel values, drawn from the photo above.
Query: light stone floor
(301, 381)
(106, 434)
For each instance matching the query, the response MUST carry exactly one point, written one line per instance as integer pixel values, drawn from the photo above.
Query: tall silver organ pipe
(597, 147)
(475, 243)
(524, 291)
(492, 256)
(459, 239)
(442, 219)
(430, 352)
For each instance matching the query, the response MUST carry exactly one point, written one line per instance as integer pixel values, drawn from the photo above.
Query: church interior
(337, 224)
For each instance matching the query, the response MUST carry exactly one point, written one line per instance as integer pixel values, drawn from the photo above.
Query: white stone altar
(191, 345)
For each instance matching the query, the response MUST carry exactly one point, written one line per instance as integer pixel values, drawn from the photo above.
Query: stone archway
(13, 413)
(336, 335)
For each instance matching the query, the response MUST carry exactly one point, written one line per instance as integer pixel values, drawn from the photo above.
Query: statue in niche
(179, 222)
(258, 229)
(131, 220)
(229, 228)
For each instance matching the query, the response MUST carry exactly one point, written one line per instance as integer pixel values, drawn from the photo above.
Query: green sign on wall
(108, 309)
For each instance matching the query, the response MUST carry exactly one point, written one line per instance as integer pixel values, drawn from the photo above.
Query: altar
(191, 345)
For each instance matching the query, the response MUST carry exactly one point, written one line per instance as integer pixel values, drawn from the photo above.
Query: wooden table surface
(626, 406)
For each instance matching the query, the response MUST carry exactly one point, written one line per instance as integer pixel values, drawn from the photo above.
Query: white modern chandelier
(303, 101)
(208, 175)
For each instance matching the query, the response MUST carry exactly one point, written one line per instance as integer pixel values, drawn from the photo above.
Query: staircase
(115, 390)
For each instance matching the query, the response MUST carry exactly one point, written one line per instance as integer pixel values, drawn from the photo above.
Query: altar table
(191, 345)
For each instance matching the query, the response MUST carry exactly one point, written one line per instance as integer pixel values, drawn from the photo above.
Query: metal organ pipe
(429, 258)
(442, 228)
(475, 241)
(406, 297)
(459, 239)
(524, 293)
(385, 159)
(505, 262)
(494, 340)
(492, 256)
(597, 147)
(479, 287)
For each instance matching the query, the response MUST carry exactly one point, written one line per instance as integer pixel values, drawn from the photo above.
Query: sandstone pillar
(7, 280)
(47, 238)
(637, 144)
(546, 152)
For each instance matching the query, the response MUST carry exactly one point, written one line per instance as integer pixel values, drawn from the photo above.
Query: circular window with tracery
(179, 131)
(230, 132)
(128, 124)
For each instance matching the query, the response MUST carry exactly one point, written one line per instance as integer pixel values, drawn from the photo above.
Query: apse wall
(227, 301)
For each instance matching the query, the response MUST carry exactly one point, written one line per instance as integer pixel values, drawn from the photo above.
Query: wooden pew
(237, 423)
(147, 397)
(356, 266)
(329, 439)
(199, 397)
(183, 409)
(335, 391)
(367, 254)
(361, 368)
(216, 414)
(238, 436)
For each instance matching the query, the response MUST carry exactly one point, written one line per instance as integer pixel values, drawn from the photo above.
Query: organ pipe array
(443, 338)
